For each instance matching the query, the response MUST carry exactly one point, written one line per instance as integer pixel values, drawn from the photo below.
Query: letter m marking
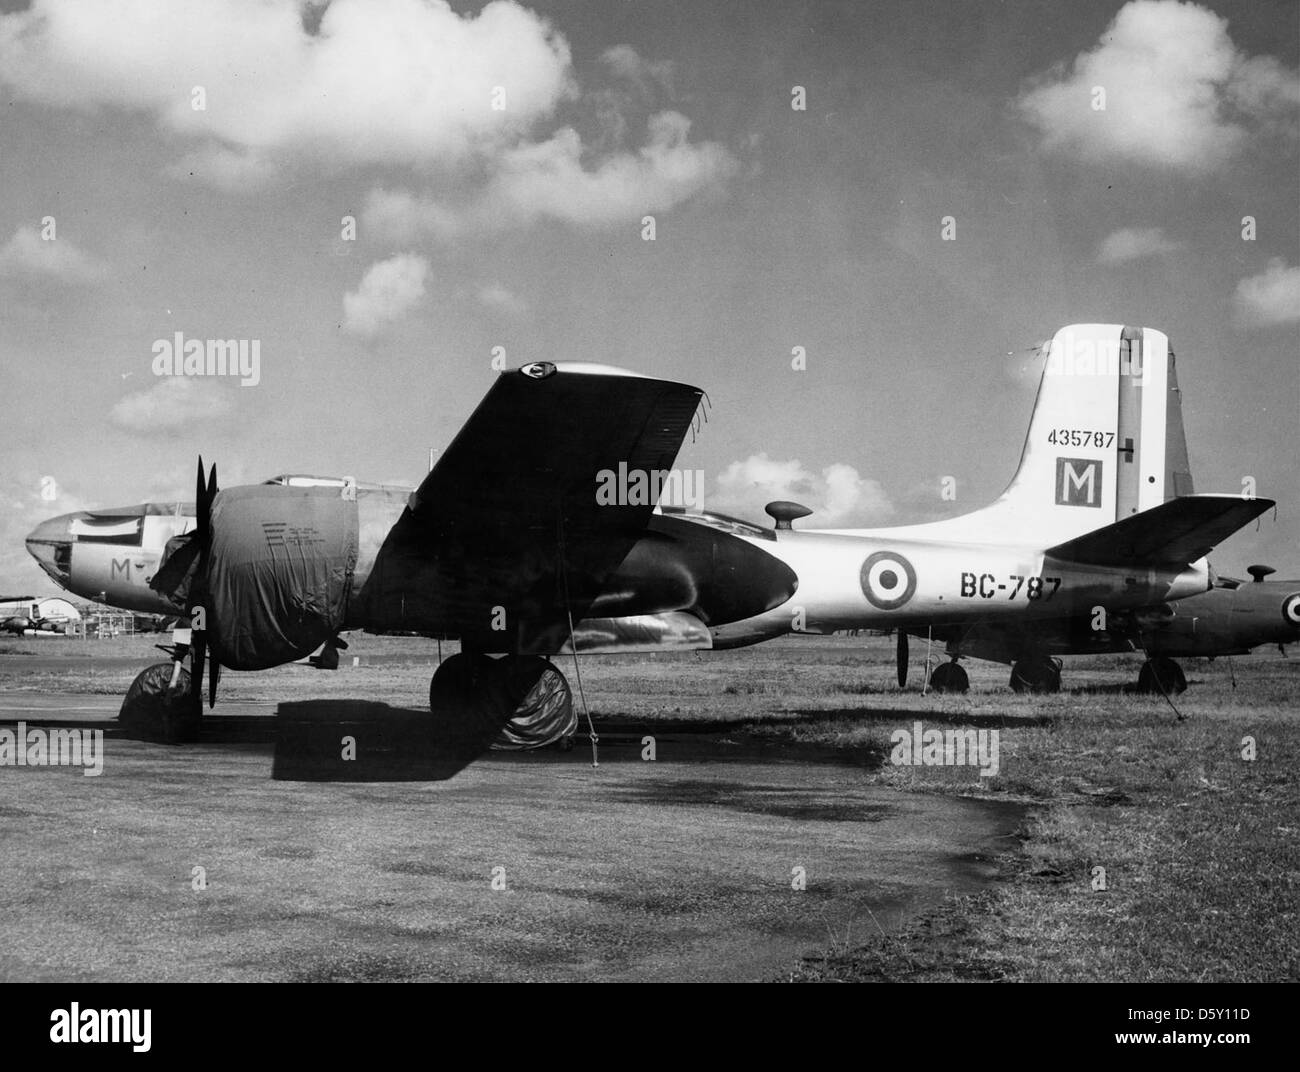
(1078, 482)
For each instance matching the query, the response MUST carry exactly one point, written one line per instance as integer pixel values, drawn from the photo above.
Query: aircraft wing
(1175, 533)
(508, 525)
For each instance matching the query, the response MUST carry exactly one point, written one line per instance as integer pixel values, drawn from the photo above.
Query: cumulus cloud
(388, 290)
(649, 77)
(838, 495)
(173, 404)
(499, 299)
(27, 254)
(1178, 92)
(378, 81)
(548, 180)
(460, 99)
(1272, 297)
(1133, 243)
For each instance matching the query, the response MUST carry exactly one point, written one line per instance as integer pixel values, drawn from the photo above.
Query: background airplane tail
(1105, 441)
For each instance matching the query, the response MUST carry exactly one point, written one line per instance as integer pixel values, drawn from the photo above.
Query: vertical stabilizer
(1105, 440)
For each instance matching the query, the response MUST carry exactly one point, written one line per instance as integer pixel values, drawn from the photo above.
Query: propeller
(902, 658)
(204, 493)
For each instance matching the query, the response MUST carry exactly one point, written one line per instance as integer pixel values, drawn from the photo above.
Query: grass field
(1200, 846)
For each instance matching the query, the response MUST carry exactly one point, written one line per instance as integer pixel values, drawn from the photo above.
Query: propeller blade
(902, 658)
(202, 504)
(205, 491)
(198, 646)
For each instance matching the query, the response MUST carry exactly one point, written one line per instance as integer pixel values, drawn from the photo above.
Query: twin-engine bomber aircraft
(504, 546)
(507, 545)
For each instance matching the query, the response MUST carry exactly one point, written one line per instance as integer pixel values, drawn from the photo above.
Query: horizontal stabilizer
(1175, 533)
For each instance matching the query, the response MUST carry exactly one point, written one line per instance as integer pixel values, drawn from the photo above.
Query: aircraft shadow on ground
(365, 741)
(874, 715)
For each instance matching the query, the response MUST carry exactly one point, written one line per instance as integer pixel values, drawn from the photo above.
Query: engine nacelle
(279, 572)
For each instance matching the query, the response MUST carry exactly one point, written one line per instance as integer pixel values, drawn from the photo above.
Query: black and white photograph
(693, 491)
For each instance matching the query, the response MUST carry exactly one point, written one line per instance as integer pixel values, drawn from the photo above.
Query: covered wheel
(1162, 675)
(543, 704)
(1036, 673)
(950, 677)
(524, 700)
(153, 708)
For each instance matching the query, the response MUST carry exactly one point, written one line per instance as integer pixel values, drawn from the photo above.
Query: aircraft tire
(950, 677)
(1170, 675)
(543, 711)
(1036, 673)
(151, 709)
(457, 682)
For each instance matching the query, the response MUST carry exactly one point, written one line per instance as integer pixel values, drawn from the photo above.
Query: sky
(383, 195)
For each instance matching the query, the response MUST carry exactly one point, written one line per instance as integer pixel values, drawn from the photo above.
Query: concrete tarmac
(721, 859)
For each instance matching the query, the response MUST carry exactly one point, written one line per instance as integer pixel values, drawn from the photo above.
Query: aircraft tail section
(1105, 439)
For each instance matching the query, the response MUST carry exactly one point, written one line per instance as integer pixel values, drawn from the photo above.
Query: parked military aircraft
(1100, 515)
(504, 546)
(1232, 618)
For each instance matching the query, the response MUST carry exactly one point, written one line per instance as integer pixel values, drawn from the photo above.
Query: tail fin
(1105, 440)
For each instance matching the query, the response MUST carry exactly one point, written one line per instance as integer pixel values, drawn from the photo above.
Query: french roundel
(1291, 609)
(888, 580)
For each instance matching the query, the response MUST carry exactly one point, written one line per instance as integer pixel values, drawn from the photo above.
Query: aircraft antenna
(573, 645)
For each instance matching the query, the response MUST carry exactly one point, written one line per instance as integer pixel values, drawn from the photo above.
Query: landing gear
(949, 677)
(1036, 673)
(157, 708)
(1161, 675)
(523, 699)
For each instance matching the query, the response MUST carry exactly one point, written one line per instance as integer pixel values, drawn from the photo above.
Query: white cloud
(1133, 243)
(650, 77)
(501, 300)
(226, 169)
(173, 404)
(1272, 297)
(548, 180)
(388, 290)
(1177, 92)
(839, 495)
(381, 81)
(27, 254)
(288, 87)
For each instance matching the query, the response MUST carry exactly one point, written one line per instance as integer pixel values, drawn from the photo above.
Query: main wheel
(153, 709)
(950, 677)
(457, 681)
(523, 700)
(543, 704)
(1162, 674)
(1036, 673)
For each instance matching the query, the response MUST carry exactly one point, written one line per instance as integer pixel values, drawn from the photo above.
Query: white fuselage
(874, 579)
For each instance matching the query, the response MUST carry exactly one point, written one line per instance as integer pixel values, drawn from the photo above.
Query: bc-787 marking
(986, 586)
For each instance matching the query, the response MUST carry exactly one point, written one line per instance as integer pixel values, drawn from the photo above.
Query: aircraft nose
(50, 543)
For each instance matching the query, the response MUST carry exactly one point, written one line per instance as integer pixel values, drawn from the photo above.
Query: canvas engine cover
(280, 568)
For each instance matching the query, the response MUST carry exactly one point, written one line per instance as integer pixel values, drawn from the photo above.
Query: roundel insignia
(539, 370)
(888, 580)
(1291, 609)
